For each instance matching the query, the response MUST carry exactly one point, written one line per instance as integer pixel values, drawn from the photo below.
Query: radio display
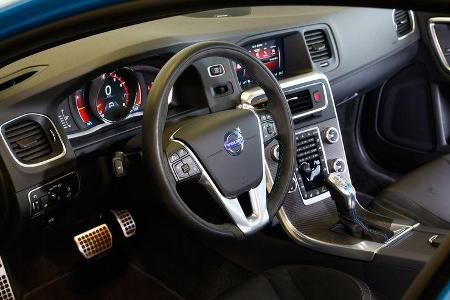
(270, 52)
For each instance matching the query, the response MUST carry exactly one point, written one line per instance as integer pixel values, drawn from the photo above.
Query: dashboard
(86, 97)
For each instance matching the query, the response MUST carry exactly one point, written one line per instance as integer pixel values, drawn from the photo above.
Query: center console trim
(363, 250)
(324, 195)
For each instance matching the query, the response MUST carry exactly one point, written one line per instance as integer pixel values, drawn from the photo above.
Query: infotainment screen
(270, 52)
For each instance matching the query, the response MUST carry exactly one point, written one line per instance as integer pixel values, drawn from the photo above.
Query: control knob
(330, 135)
(337, 165)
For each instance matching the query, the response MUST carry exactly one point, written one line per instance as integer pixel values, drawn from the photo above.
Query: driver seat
(300, 282)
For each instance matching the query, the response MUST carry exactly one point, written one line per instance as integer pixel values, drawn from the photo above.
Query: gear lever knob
(342, 192)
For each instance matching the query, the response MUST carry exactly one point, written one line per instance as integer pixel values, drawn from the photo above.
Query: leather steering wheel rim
(154, 141)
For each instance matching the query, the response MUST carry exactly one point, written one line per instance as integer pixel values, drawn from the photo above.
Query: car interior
(240, 152)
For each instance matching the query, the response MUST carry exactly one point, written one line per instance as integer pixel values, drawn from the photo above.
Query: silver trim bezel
(413, 24)
(288, 85)
(48, 183)
(323, 196)
(437, 46)
(213, 76)
(363, 250)
(62, 154)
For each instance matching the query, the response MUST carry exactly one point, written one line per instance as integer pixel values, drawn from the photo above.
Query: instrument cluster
(110, 98)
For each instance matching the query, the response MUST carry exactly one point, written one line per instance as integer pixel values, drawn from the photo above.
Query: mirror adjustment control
(330, 135)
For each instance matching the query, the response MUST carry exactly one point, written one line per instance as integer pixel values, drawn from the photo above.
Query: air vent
(16, 80)
(403, 22)
(32, 140)
(300, 101)
(318, 45)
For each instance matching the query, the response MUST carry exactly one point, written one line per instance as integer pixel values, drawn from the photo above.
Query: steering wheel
(223, 151)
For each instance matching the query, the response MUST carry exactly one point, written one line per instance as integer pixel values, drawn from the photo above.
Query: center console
(309, 213)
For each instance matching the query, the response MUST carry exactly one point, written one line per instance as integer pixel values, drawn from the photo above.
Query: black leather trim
(422, 195)
(300, 282)
(155, 118)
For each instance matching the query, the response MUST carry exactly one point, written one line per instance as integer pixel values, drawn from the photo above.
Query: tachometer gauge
(113, 95)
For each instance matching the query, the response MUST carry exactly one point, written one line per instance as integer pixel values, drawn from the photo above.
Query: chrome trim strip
(413, 24)
(100, 126)
(437, 46)
(62, 154)
(363, 250)
(288, 85)
(324, 195)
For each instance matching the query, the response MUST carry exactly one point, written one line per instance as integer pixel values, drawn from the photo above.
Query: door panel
(407, 120)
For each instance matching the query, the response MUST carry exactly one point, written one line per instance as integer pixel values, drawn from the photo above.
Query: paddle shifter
(355, 220)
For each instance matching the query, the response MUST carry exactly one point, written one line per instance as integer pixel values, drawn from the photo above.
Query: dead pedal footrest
(94, 241)
(126, 222)
(6, 292)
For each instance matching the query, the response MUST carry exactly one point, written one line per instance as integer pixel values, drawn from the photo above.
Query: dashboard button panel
(53, 193)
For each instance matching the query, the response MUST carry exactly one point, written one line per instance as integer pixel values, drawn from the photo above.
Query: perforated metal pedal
(6, 292)
(126, 222)
(94, 241)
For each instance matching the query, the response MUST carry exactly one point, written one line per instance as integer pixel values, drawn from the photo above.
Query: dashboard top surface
(68, 61)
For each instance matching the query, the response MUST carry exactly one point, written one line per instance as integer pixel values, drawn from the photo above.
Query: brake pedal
(126, 222)
(6, 292)
(94, 241)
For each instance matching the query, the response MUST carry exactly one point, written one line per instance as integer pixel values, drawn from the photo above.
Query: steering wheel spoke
(180, 156)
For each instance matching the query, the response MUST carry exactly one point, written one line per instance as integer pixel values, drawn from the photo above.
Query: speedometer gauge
(113, 95)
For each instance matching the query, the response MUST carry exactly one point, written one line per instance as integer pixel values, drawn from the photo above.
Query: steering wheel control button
(216, 70)
(191, 166)
(48, 196)
(337, 165)
(173, 158)
(182, 152)
(275, 153)
(185, 168)
(268, 127)
(330, 135)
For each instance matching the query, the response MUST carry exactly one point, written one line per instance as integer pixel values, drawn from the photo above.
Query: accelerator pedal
(126, 221)
(6, 292)
(94, 241)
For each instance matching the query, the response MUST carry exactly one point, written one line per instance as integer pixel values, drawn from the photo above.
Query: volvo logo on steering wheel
(234, 142)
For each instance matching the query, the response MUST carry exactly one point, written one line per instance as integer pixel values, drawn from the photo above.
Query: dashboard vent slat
(300, 102)
(27, 141)
(318, 45)
(403, 22)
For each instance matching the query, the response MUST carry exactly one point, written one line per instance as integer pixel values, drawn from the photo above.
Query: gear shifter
(356, 221)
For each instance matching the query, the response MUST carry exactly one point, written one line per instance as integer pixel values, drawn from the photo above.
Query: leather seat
(422, 195)
(300, 282)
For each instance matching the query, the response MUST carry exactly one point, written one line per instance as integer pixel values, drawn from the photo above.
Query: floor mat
(103, 280)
